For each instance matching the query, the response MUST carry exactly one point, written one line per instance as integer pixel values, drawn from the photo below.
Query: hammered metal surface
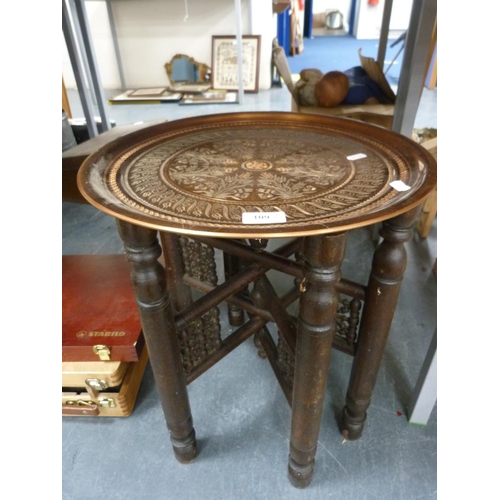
(200, 175)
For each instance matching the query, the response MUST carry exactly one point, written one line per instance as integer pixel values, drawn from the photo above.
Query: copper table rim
(261, 231)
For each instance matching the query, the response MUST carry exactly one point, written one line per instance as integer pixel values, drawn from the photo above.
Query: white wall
(151, 32)
(368, 19)
(322, 6)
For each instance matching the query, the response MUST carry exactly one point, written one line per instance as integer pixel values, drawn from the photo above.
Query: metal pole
(115, 43)
(424, 394)
(81, 48)
(94, 70)
(384, 33)
(411, 80)
(239, 49)
(84, 93)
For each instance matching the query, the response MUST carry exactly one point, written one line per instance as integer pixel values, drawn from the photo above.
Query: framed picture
(225, 62)
(214, 97)
(154, 92)
(190, 88)
(132, 97)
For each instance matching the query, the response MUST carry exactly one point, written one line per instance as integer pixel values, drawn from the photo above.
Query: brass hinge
(107, 403)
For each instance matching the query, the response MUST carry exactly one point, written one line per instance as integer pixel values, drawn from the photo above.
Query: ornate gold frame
(203, 69)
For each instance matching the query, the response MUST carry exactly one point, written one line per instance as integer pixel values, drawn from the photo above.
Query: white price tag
(399, 185)
(263, 217)
(356, 157)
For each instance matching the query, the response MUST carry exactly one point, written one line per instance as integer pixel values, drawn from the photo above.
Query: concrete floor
(241, 418)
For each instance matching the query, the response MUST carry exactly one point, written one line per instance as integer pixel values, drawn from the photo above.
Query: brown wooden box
(100, 321)
(111, 402)
(77, 373)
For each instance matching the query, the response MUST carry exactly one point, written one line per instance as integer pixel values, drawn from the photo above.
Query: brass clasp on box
(80, 407)
(94, 386)
(103, 352)
(86, 408)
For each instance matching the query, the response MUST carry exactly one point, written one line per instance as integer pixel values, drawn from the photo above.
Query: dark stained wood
(318, 308)
(228, 345)
(269, 347)
(267, 259)
(236, 317)
(230, 287)
(174, 267)
(285, 323)
(196, 177)
(388, 266)
(153, 300)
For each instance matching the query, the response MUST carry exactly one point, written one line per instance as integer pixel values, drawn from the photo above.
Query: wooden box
(92, 398)
(100, 320)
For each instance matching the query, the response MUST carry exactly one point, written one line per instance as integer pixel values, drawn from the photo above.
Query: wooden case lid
(76, 373)
(99, 309)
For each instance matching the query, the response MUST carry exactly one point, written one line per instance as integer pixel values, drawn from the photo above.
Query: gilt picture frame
(225, 62)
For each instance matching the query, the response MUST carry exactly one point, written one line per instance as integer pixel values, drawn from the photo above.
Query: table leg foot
(185, 449)
(352, 425)
(300, 476)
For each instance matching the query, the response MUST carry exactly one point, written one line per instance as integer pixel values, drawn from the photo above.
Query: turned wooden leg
(388, 266)
(317, 310)
(153, 300)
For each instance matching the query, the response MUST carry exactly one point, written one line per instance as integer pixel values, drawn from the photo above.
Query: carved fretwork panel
(348, 316)
(200, 339)
(347, 322)
(199, 260)
(286, 359)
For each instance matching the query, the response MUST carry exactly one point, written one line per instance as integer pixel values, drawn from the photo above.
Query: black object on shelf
(80, 129)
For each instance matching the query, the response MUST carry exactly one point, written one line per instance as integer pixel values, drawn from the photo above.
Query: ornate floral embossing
(256, 165)
(197, 176)
(211, 170)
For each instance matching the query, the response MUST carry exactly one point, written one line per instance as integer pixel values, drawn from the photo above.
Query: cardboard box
(379, 114)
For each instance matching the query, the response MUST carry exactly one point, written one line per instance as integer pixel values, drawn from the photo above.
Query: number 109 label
(263, 217)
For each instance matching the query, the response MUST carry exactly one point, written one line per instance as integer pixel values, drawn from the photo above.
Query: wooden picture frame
(211, 97)
(225, 62)
(150, 92)
(132, 97)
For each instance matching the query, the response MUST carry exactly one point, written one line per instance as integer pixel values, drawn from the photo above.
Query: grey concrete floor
(241, 418)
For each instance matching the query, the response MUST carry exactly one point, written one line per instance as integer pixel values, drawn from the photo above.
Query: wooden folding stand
(232, 181)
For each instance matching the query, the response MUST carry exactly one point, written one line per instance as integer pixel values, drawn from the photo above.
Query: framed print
(225, 62)
(134, 97)
(154, 92)
(214, 97)
(191, 88)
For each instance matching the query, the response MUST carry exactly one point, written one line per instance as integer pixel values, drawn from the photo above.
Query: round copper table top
(199, 175)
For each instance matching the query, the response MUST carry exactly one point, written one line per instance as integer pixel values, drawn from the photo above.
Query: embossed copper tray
(199, 175)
